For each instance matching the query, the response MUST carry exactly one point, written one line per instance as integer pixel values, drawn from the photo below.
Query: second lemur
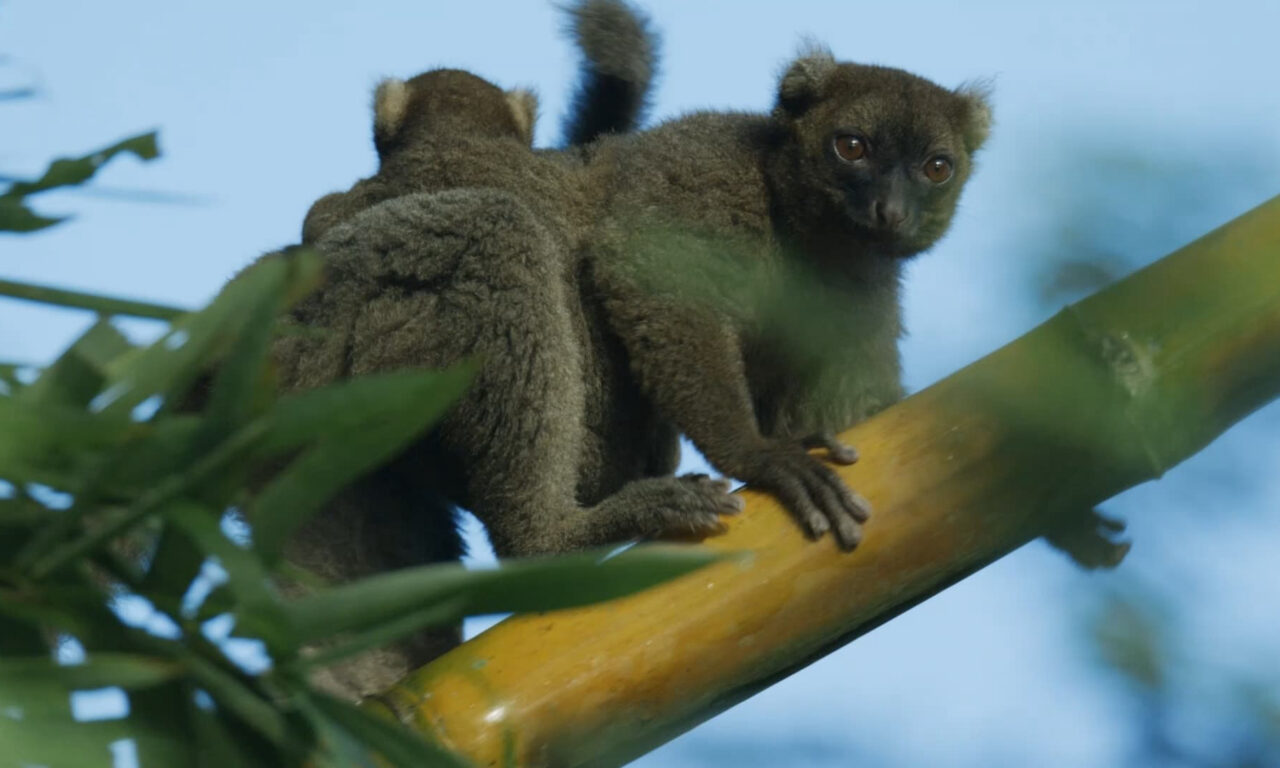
(449, 129)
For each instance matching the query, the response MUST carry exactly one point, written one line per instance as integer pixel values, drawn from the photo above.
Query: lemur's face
(891, 151)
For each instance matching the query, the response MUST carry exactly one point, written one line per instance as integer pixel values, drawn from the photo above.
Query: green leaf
(34, 698)
(103, 305)
(58, 609)
(219, 743)
(380, 635)
(168, 367)
(67, 172)
(39, 741)
(258, 611)
(241, 385)
(196, 341)
(16, 217)
(158, 449)
(166, 711)
(78, 375)
(40, 442)
(176, 563)
(18, 635)
(20, 513)
(219, 601)
(9, 376)
(170, 488)
(243, 702)
(19, 675)
(349, 406)
(533, 584)
(399, 745)
(357, 425)
(1128, 637)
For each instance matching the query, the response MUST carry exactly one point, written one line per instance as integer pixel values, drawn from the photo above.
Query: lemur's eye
(938, 169)
(850, 148)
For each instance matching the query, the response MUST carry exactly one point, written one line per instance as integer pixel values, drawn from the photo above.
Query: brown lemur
(447, 129)
(428, 130)
(813, 208)
(554, 274)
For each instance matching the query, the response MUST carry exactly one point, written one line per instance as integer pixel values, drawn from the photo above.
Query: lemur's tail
(619, 52)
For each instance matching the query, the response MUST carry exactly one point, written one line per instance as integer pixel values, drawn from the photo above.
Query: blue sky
(264, 106)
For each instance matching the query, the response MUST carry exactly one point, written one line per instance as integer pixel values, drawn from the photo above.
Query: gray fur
(446, 114)
(450, 115)
(619, 51)
(721, 275)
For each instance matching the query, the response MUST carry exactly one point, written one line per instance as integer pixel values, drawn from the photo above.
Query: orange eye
(938, 169)
(850, 148)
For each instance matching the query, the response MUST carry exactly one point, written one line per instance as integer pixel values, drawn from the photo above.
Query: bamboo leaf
(168, 489)
(103, 305)
(357, 425)
(66, 172)
(400, 746)
(257, 608)
(9, 377)
(53, 609)
(18, 635)
(166, 712)
(20, 513)
(349, 406)
(174, 566)
(39, 441)
(19, 675)
(168, 367)
(195, 341)
(438, 614)
(157, 450)
(244, 703)
(239, 385)
(16, 217)
(534, 584)
(217, 744)
(39, 741)
(80, 372)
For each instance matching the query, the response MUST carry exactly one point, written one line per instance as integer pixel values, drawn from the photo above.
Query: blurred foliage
(126, 472)
(1117, 206)
(1114, 209)
(1186, 709)
(17, 216)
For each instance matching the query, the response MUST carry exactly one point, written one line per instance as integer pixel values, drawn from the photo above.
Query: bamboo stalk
(1110, 392)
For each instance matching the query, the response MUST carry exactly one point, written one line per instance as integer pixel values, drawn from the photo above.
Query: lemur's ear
(805, 78)
(524, 108)
(976, 120)
(390, 105)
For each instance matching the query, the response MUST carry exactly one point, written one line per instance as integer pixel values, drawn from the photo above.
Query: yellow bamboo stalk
(1110, 392)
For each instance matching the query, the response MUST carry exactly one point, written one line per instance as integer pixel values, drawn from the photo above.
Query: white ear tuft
(977, 124)
(390, 104)
(524, 108)
(805, 77)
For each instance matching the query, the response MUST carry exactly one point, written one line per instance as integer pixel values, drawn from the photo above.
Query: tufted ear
(803, 82)
(976, 118)
(390, 105)
(524, 108)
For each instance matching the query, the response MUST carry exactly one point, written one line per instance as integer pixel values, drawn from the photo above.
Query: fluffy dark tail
(619, 51)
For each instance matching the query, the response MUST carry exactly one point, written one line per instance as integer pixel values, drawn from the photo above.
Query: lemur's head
(887, 151)
(448, 102)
